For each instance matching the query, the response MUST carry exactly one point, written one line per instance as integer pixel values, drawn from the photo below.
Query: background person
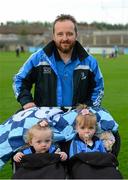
(17, 51)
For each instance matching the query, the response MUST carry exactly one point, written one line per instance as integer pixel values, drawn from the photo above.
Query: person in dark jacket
(63, 73)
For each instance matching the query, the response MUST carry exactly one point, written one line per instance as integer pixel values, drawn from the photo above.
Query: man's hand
(29, 105)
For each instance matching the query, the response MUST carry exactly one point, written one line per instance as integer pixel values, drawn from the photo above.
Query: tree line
(25, 27)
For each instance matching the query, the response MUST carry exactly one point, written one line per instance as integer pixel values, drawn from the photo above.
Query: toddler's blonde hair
(85, 120)
(31, 132)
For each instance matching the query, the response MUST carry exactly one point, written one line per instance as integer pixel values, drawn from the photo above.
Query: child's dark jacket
(40, 166)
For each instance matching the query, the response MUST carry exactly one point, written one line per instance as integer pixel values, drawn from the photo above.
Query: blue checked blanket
(12, 131)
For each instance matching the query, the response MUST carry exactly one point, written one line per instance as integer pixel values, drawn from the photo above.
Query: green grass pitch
(115, 72)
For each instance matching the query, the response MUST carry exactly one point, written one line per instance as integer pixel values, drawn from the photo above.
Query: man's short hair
(64, 17)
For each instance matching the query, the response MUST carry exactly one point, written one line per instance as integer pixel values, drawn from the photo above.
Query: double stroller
(94, 165)
(45, 166)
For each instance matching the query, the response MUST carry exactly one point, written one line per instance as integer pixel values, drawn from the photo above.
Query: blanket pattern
(13, 130)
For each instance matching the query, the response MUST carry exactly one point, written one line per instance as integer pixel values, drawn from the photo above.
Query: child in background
(39, 138)
(85, 139)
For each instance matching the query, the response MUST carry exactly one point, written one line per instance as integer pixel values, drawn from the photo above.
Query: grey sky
(109, 11)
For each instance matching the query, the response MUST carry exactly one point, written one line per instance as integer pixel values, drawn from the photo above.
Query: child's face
(41, 141)
(86, 132)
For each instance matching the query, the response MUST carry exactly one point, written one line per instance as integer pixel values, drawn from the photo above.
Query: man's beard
(67, 49)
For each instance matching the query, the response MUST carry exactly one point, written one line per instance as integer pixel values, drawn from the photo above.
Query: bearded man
(63, 73)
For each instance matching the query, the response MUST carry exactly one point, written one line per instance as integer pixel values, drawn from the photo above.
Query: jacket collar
(78, 51)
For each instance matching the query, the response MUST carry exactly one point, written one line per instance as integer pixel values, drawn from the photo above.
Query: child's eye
(82, 127)
(47, 141)
(91, 128)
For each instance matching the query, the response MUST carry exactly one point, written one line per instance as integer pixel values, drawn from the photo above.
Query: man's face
(64, 36)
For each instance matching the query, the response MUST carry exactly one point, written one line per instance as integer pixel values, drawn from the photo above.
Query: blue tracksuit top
(59, 84)
(78, 146)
